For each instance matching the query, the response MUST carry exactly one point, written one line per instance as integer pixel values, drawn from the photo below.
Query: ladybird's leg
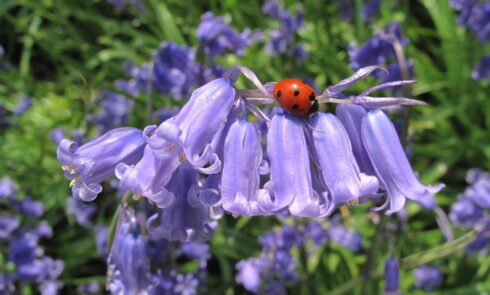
(387, 85)
(348, 82)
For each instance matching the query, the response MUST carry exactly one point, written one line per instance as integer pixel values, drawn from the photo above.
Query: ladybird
(296, 96)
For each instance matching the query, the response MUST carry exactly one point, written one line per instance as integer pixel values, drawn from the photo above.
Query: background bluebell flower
(481, 70)
(392, 277)
(427, 277)
(24, 104)
(114, 111)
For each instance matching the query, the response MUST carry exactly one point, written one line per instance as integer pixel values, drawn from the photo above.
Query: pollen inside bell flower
(88, 165)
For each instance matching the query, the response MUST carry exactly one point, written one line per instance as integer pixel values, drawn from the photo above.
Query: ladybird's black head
(314, 107)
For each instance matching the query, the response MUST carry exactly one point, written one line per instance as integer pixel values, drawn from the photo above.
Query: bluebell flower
(392, 277)
(44, 229)
(377, 50)
(83, 212)
(345, 10)
(141, 79)
(317, 233)
(88, 165)
(23, 249)
(465, 213)
(129, 266)
(427, 277)
(114, 111)
(8, 224)
(249, 274)
(186, 284)
(184, 138)
(217, 37)
(8, 188)
(479, 21)
(28, 206)
(344, 236)
(196, 250)
(482, 70)
(465, 8)
(186, 219)
(390, 162)
(57, 135)
(174, 70)
(102, 240)
(240, 178)
(281, 38)
(24, 104)
(339, 169)
(370, 10)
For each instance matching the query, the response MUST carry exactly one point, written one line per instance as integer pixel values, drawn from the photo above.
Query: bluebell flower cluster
(276, 267)
(471, 209)
(209, 158)
(216, 37)
(20, 234)
(281, 39)
(114, 111)
(369, 10)
(427, 277)
(175, 70)
(381, 51)
(475, 15)
(143, 264)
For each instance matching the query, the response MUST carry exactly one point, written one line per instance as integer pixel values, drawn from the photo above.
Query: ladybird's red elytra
(296, 96)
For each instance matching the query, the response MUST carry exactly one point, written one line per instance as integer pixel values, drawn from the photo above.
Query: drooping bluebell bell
(281, 38)
(344, 236)
(390, 162)
(24, 104)
(217, 37)
(370, 10)
(129, 266)
(333, 154)
(392, 277)
(482, 70)
(291, 184)
(141, 79)
(479, 21)
(240, 178)
(28, 206)
(465, 8)
(114, 111)
(249, 274)
(81, 211)
(88, 165)
(186, 219)
(8, 188)
(427, 277)
(184, 138)
(7, 226)
(186, 284)
(174, 70)
(102, 240)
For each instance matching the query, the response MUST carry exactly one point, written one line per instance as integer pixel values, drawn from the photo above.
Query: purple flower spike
(87, 166)
(129, 266)
(186, 219)
(338, 166)
(240, 177)
(392, 277)
(290, 172)
(351, 117)
(391, 163)
(482, 69)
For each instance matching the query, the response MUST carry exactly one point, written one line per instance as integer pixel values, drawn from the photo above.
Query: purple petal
(339, 169)
(391, 163)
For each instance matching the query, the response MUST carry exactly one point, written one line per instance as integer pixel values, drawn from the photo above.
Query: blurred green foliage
(62, 52)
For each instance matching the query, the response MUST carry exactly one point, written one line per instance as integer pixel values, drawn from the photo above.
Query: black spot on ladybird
(296, 92)
(278, 94)
(295, 106)
(312, 96)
